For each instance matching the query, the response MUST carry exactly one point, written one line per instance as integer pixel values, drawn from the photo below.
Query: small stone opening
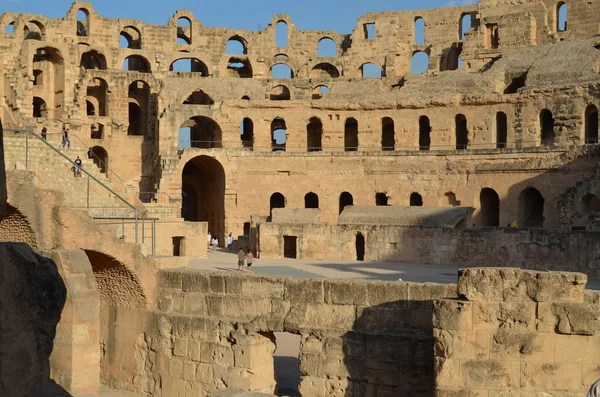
(360, 247)
(381, 199)
(287, 364)
(178, 246)
(290, 248)
(346, 199)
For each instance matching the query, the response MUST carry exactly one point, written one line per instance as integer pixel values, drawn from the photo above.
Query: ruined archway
(49, 63)
(203, 191)
(99, 156)
(139, 108)
(93, 60)
(490, 207)
(15, 228)
(461, 132)
(531, 208)
(346, 199)
(547, 127)
(324, 71)
(351, 135)
(97, 97)
(204, 132)
(424, 133)
(277, 200)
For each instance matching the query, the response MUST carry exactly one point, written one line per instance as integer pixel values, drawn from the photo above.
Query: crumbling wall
(514, 331)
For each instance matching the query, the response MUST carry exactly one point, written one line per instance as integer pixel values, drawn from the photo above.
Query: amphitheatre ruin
(419, 138)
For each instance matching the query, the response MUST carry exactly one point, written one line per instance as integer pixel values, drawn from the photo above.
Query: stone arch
(416, 200)
(136, 63)
(465, 23)
(351, 135)
(345, 200)
(489, 202)
(278, 134)
(15, 227)
(277, 200)
(281, 34)
(419, 63)
(97, 131)
(203, 190)
(311, 200)
(280, 93)
(327, 48)
(591, 124)
(561, 16)
(117, 285)
(139, 108)
(198, 97)
(83, 22)
(40, 108)
(547, 127)
(238, 67)
(501, 137)
(97, 96)
(419, 30)
(371, 70)
(236, 45)
(10, 28)
(205, 133)
(281, 71)
(314, 135)
(388, 135)
(590, 203)
(461, 132)
(93, 60)
(189, 65)
(184, 30)
(424, 133)
(99, 156)
(324, 70)
(50, 62)
(247, 132)
(319, 91)
(132, 38)
(34, 30)
(531, 208)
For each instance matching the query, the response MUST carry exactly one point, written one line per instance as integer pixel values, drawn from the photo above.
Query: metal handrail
(108, 169)
(151, 195)
(38, 137)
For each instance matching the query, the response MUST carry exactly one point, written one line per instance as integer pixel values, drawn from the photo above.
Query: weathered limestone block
(311, 386)
(378, 293)
(569, 318)
(453, 315)
(504, 315)
(195, 281)
(309, 291)
(32, 296)
(321, 317)
(522, 346)
(453, 344)
(390, 318)
(509, 284)
(497, 375)
(550, 376)
(577, 349)
(262, 288)
(343, 292)
(447, 372)
(422, 295)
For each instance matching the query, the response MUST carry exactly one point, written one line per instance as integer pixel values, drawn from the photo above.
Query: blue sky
(339, 15)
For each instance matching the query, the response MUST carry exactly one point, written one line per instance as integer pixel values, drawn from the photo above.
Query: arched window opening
(204, 132)
(591, 125)
(452, 201)
(346, 199)
(93, 60)
(351, 135)
(277, 200)
(451, 58)
(97, 131)
(424, 133)
(39, 107)
(278, 135)
(100, 158)
(319, 91)
(83, 22)
(10, 28)
(34, 30)
(199, 97)
(531, 208)
(236, 46)
(50, 61)
(189, 65)
(489, 202)
(280, 93)
(419, 30)
(416, 200)
(38, 77)
(492, 37)
(419, 63)
(314, 135)
(324, 71)
(135, 116)
(130, 38)
(547, 127)
(245, 98)
(184, 31)
(462, 133)
(561, 16)
(136, 63)
(388, 135)
(90, 109)
(281, 34)
(590, 203)
(247, 132)
(381, 199)
(370, 70)
(139, 105)
(311, 200)
(360, 247)
(465, 25)
(281, 71)
(239, 67)
(97, 95)
(281, 56)
(327, 48)
(501, 130)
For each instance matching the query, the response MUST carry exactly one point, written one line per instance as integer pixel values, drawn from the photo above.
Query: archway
(561, 16)
(419, 30)
(591, 125)
(351, 135)
(247, 132)
(501, 130)
(281, 71)
(277, 200)
(327, 48)
(319, 91)
(324, 71)
(371, 70)
(490, 207)
(204, 132)
(461, 131)
(419, 63)
(314, 135)
(424, 133)
(238, 67)
(311, 200)
(280, 93)
(189, 65)
(416, 200)
(531, 208)
(547, 127)
(51, 63)
(198, 97)
(360, 247)
(381, 199)
(93, 60)
(184, 31)
(97, 93)
(346, 199)
(139, 105)
(278, 135)
(130, 38)
(203, 191)
(39, 107)
(83, 22)
(100, 158)
(236, 45)
(136, 63)
(388, 139)
(34, 30)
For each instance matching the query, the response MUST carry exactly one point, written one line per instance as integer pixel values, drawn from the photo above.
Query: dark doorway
(547, 127)
(388, 139)
(277, 201)
(462, 140)
(178, 246)
(314, 135)
(247, 132)
(531, 208)
(591, 125)
(424, 133)
(351, 135)
(311, 200)
(289, 247)
(360, 247)
(381, 199)
(501, 130)
(416, 200)
(135, 119)
(246, 228)
(345, 200)
(490, 207)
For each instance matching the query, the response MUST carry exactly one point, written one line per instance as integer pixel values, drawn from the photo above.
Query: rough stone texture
(2, 175)
(406, 216)
(32, 296)
(516, 333)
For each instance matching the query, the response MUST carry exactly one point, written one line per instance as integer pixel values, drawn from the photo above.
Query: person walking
(44, 133)
(65, 138)
(241, 255)
(78, 164)
(229, 242)
(209, 239)
(595, 389)
(249, 260)
(215, 243)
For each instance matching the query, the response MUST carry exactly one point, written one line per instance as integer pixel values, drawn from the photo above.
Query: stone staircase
(570, 207)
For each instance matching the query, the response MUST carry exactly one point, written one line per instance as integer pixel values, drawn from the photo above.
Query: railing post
(26, 150)
(136, 226)
(88, 192)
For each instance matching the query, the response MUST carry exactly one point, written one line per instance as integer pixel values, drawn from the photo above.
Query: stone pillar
(517, 332)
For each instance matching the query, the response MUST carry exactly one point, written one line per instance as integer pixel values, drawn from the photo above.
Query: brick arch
(15, 227)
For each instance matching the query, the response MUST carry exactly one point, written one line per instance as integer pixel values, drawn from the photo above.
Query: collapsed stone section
(515, 331)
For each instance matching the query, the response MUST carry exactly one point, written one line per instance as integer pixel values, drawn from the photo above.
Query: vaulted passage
(277, 200)
(388, 139)
(490, 207)
(204, 133)
(203, 191)
(351, 135)
(314, 135)
(531, 208)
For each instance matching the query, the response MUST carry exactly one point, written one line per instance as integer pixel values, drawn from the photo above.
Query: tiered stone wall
(517, 333)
